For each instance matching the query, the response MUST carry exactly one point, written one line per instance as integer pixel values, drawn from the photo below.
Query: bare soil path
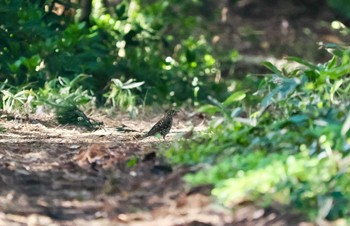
(56, 175)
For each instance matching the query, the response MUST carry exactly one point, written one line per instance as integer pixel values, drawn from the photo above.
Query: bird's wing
(154, 129)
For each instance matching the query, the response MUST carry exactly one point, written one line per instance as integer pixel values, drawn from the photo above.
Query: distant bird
(163, 126)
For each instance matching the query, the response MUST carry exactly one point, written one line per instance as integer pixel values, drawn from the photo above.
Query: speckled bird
(163, 126)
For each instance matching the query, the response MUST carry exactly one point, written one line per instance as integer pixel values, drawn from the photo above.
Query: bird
(163, 126)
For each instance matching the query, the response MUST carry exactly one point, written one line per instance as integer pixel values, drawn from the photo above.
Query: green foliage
(19, 99)
(23, 37)
(16, 100)
(63, 91)
(342, 7)
(64, 96)
(120, 95)
(132, 161)
(292, 149)
(132, 42)
(71, 114)
(174, 66)
(225, 107)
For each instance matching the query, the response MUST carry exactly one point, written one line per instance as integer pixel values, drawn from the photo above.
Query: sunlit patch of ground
(63, 175)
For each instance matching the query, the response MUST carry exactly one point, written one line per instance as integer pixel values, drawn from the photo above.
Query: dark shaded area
(273, 28)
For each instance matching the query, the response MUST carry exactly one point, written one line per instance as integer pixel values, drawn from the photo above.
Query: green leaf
(303, 62)
(268, 99)
(332, 63)
(132, 85)
(334, 49)
(235, 112)
(117, 82)
(214, 101)
(335, 73)
(209, 60)
(346, 126)
(208, 108)
(120, 10)
(132, 161)
(272, 68)
(236, 96)
(79, 78)
(296, 119)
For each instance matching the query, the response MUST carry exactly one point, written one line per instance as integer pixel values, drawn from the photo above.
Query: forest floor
(60, 175)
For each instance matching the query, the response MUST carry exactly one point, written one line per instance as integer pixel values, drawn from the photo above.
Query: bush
(40, 45)
(293, 149)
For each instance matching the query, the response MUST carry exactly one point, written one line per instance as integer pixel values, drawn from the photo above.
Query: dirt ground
(60, 175)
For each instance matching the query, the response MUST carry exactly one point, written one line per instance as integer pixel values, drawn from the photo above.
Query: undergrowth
(292, 148)
(72, 115)
(129, 42)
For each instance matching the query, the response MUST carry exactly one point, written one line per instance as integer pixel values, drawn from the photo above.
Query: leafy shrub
(120, 95)
(63, 91)
(71, 114)
(174, 66)
(292, 149)
(38, 45)
(26, 35)
(17, 99)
